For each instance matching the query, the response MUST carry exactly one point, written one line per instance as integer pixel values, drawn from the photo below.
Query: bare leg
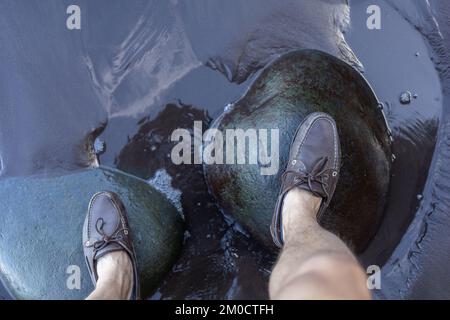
(314, 264)
(115, 277)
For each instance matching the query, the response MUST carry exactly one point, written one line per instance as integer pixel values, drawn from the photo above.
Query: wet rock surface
(219, 259)
(290, 88)
(204, 54)
(40, 234)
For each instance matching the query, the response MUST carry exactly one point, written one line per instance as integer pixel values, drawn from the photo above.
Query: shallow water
(396, 59)
(142, 72)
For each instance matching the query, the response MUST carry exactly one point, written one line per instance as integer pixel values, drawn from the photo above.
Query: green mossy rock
(284, 93)
(41, 229)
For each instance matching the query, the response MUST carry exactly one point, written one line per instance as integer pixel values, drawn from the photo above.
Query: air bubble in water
(405, 97)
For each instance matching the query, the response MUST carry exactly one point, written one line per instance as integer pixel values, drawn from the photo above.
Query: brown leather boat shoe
(106, 230)
(314, 164)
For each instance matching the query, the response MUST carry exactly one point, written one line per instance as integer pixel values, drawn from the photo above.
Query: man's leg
(314, 263)
(115, 277)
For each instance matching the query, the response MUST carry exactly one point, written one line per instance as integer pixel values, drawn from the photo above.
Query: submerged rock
(285, 92)
(40, 234)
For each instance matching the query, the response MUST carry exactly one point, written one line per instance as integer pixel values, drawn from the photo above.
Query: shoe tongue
(316, 187)
(300, 167)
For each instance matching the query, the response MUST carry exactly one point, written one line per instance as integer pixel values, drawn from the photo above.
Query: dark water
(397, 59)
(142, 69)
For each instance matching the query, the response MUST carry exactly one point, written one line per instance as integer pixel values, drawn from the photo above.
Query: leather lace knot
(319, 174)
(116, 237)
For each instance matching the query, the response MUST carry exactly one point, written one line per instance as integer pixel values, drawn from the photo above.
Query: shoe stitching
(91, 203)
(334, 137)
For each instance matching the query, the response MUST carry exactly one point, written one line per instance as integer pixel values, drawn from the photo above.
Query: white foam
(162, 182)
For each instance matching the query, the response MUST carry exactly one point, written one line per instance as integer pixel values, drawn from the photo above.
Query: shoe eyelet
(125, 232)
(334, 173)
(87, 244)
(294, 162)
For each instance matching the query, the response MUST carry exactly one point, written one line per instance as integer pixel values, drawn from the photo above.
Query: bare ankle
(304, 199)
(299, 207)
(115, 272)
